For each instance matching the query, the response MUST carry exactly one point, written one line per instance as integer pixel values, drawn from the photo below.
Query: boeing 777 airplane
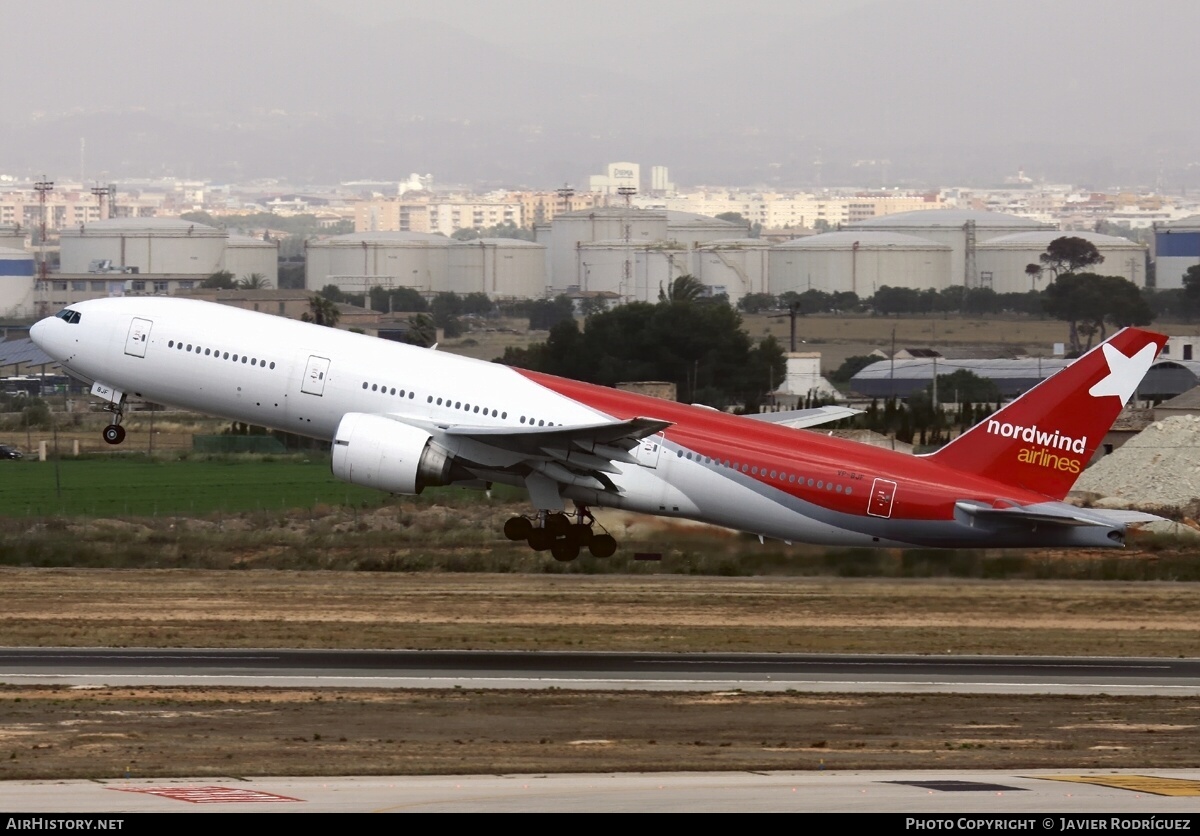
(402, 418)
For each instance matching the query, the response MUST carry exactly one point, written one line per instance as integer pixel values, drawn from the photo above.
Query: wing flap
(801, 418)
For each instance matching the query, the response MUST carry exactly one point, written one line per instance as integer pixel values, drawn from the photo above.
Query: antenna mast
(43, 188)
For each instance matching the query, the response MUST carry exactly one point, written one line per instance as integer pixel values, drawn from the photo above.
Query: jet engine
(377, 452)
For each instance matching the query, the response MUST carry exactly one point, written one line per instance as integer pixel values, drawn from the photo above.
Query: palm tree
(255, 281)
(321, 311)
(685, 288)
(421, 331)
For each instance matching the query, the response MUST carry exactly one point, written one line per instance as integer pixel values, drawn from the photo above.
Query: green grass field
(145, 487)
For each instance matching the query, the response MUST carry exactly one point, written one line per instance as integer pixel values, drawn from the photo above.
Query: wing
(801, 418)
(579, 454)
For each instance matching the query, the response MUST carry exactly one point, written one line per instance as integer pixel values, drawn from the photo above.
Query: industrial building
(246, 256)
(358, 261)
(633, 252)
(859, 261)
(904, 378)
(1176, 248)
(1002, 261)
(503, 268)
(144, 245)
(16, 282)
(735, 266)
(152, 256)
(962, 229)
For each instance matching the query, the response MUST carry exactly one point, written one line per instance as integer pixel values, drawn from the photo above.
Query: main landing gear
(562, 534)
(114, 433)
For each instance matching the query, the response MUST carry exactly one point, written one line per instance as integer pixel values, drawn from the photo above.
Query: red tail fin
(1043, 439)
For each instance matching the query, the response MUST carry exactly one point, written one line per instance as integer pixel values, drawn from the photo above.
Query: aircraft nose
(47, 334)
(38, 332)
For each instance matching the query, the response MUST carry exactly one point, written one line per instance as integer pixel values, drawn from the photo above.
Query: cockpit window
(69, 315)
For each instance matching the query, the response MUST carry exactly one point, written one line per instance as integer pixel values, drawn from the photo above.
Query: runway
(639, 671)
(1042, 797)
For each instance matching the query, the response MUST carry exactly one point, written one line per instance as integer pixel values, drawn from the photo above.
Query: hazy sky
(535, 92)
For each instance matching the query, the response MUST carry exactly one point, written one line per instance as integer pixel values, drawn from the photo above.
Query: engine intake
(377, 452)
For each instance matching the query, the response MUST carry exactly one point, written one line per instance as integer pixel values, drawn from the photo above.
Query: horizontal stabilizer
(1053, 513)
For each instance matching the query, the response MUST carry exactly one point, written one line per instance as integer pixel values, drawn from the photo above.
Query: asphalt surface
(1157, 800)
(643, 671)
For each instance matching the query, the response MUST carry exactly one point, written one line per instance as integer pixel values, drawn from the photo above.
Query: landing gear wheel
(517, 528)
(558, 524)
(580, 533)
(564, 551)
(114, 433)
(540, 539)
(602, 545)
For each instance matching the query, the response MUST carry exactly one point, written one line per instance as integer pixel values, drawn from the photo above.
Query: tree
(964, 386)
(739, 219)
(220, 280)
(394, 299)
(544, 314)
(421, 331)
(1069, 254)
(852, 366)
(1191, 290)
(199, 218)
(445, 309)
(322, 311)
(685, 288)
(592, 305)
(1089, 302)
(1034, 272)
(291, 277)
(701, 348)
(896, 300)
(504, 230)
(757, 302)
(476, 304)
(255, 281)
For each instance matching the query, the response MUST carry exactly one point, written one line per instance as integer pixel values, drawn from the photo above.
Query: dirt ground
(59, 732)
(113, 732)
(266, 608)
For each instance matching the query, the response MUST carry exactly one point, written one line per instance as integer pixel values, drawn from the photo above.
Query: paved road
(655, 671)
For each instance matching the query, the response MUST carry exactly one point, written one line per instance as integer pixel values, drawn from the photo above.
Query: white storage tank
(737, 266)
(691, 229)
(955, 228)
(357, 261)
(16, 283)
(859, 261)
(152, 245)
(1002, 261)
(570, 230)
(601, 266)
(503, 268)
(245, 255)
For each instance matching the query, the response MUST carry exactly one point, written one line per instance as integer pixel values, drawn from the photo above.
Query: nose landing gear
(563, 535)
(114, 433)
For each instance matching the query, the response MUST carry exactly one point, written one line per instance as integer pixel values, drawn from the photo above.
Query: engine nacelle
(377, 452)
